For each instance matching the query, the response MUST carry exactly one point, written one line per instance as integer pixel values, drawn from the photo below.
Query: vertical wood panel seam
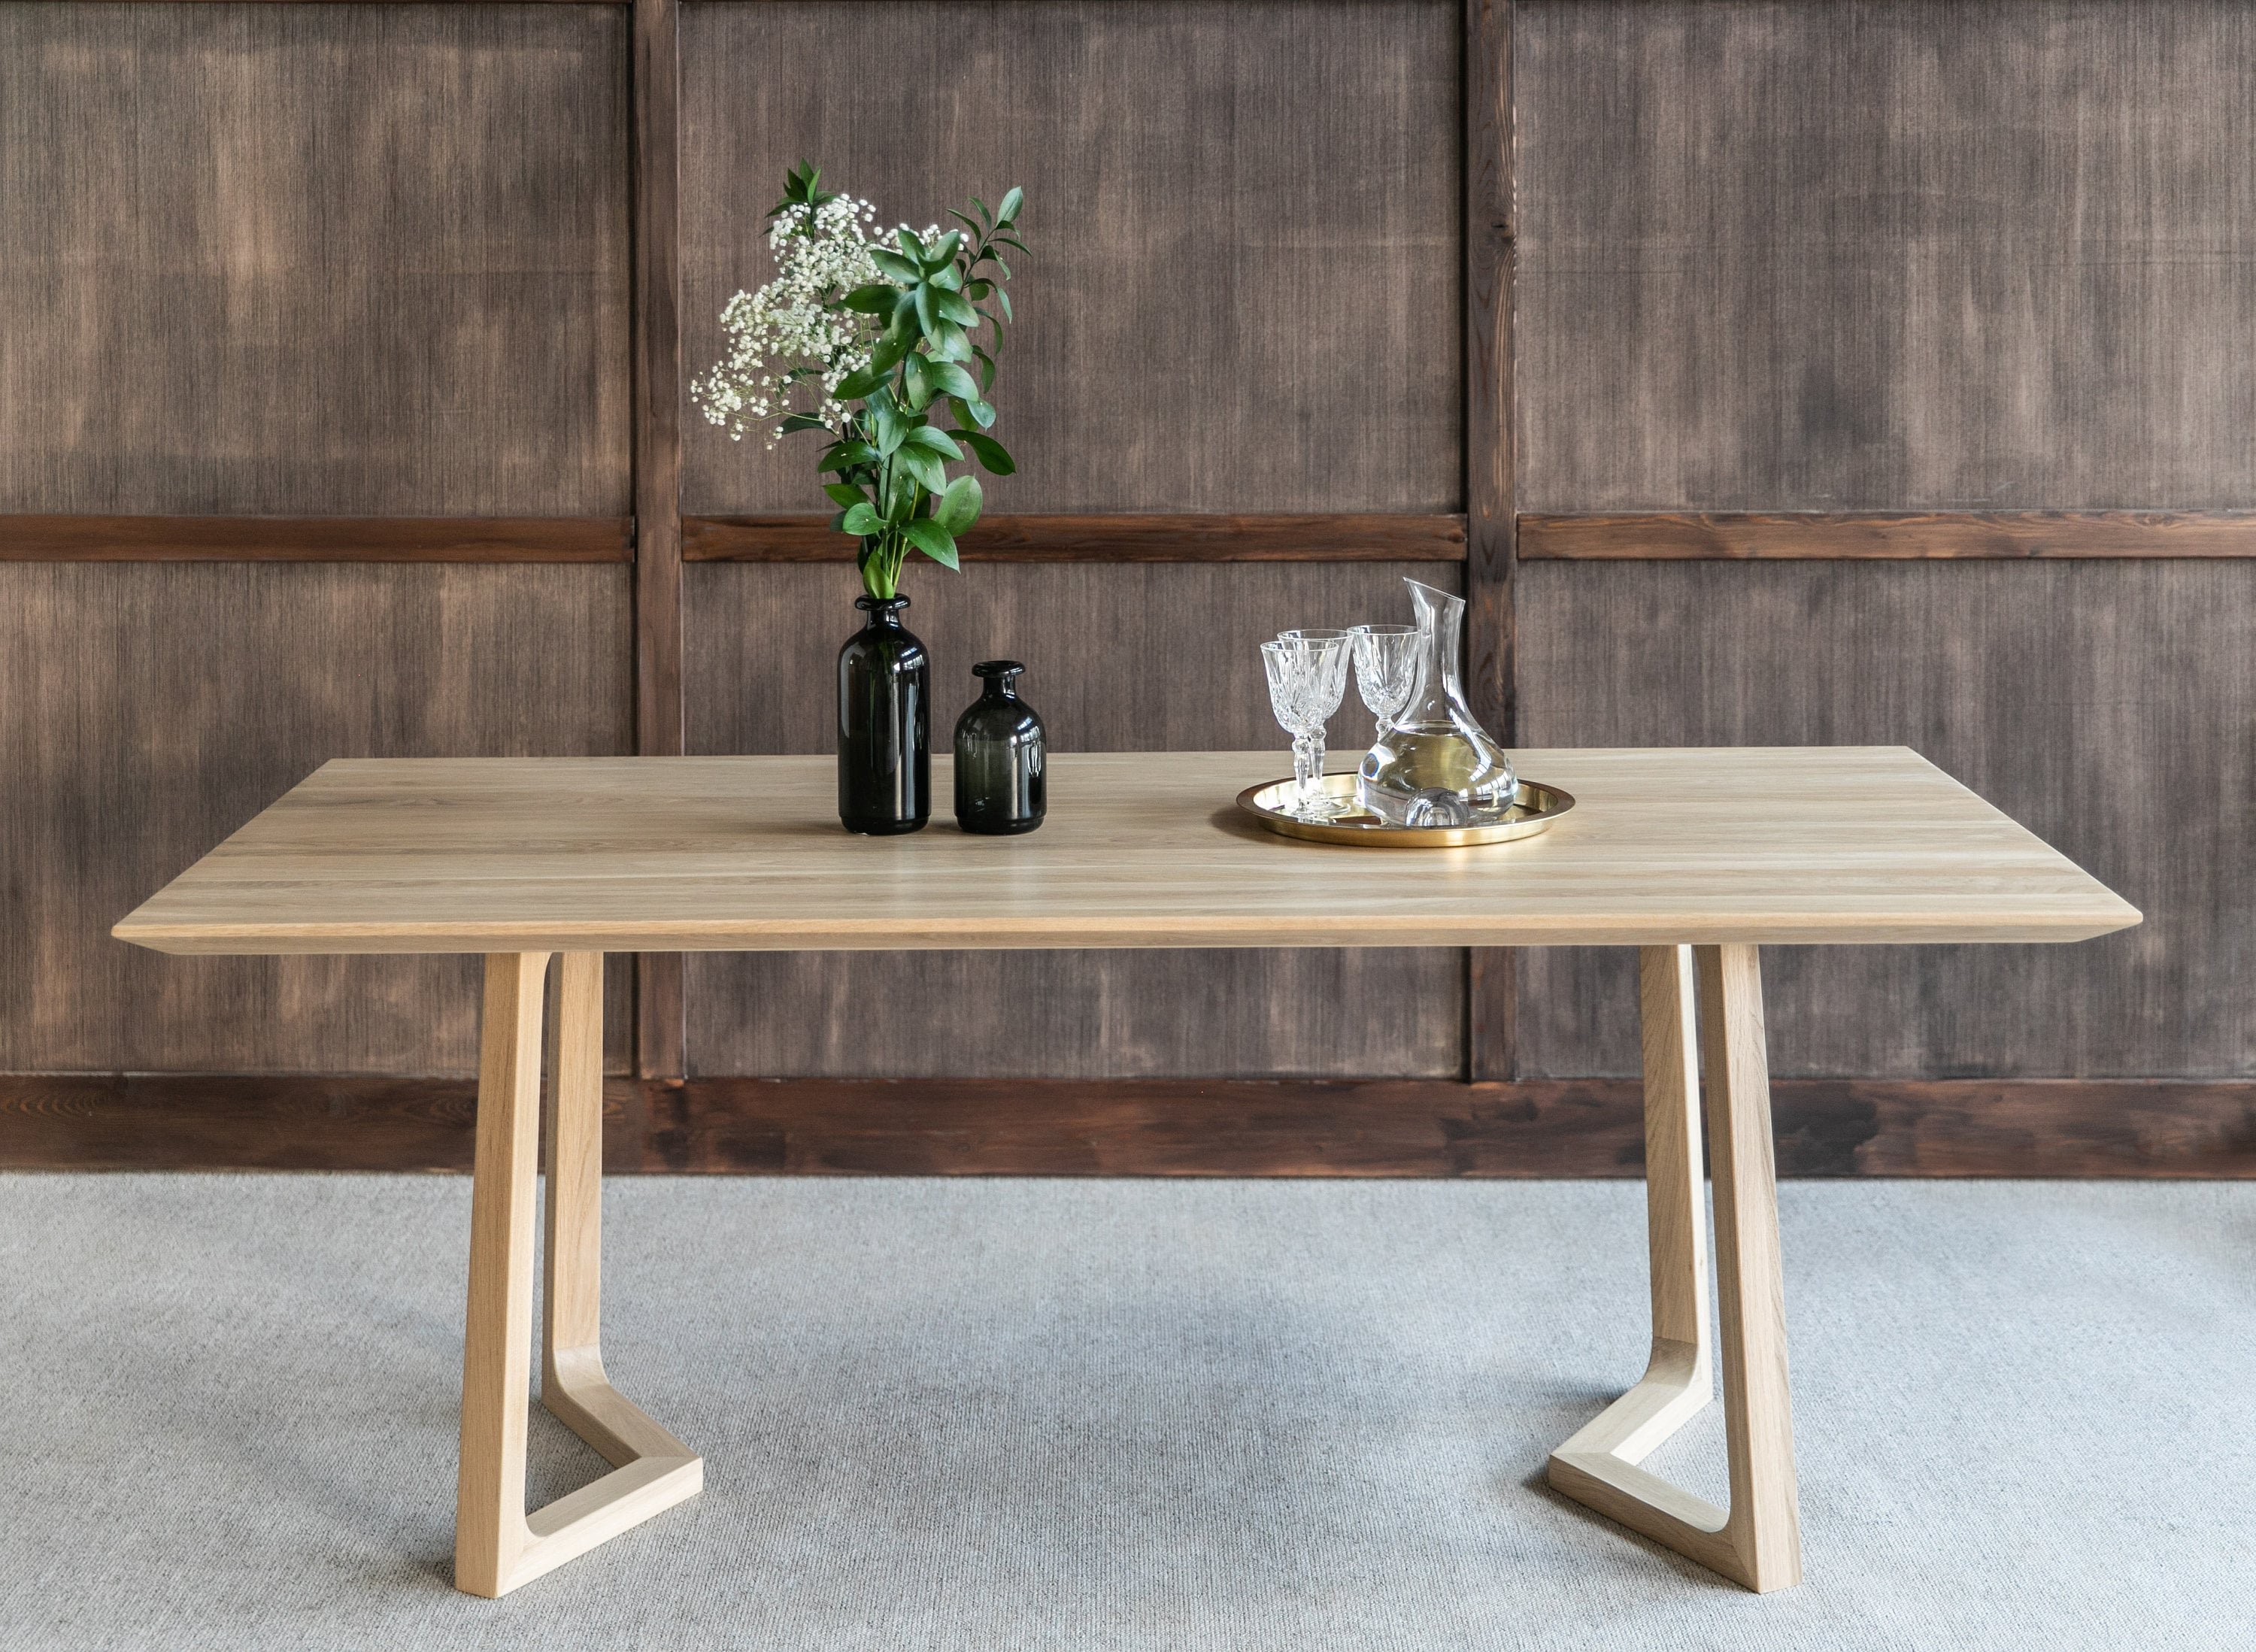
(1488, 229)
(659, 707)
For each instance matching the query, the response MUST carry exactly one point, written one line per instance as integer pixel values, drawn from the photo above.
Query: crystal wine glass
(1386, 670)
(1308, 676)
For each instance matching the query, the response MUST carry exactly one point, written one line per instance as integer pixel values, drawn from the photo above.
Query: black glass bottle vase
(884, 716)
(1001, 786)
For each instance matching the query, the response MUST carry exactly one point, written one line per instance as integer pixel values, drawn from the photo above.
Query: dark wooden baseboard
(1218, 1128)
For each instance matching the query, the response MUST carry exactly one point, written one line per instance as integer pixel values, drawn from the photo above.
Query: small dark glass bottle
(1000, 785)
(885, 725)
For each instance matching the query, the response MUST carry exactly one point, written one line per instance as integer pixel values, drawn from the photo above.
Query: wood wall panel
(2109, 707)
(1120, 657)
(1131, 657)
(150, 710)
(1926, 254)
(1244, 291)
(314, 259)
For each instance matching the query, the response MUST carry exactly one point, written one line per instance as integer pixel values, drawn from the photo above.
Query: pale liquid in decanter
(1434, 764)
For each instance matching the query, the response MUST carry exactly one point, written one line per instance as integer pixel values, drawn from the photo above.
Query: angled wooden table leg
(496, 1545)
(1758, 1541)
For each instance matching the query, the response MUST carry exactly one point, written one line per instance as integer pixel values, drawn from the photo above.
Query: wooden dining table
(1698, 858)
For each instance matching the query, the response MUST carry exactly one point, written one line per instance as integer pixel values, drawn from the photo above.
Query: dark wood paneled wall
(1900, 254)
(1243, 222)
(150, 710)
(1913, 258)
(1867, 369)
(314, 260)
(1134, 657)
(304, 261)
(2110, 707)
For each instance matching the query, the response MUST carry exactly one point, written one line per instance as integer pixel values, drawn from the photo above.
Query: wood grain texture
(1902, 255)
(1252, 1127)
(490, 1530)
(315, 539)
(1105, 538)
(2110, 707)
(660, 717)
(1244, 285)
(1127, 657)
(1855, 844)
(1929, 535)
(150, 710)
(1491, 510)
(300, 260)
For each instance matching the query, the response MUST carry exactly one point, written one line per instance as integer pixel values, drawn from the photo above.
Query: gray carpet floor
(1178, 1414)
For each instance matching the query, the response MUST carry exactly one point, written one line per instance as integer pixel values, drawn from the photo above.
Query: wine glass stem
(1308, 768)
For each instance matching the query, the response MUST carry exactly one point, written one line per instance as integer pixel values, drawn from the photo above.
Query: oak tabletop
(1773, 845)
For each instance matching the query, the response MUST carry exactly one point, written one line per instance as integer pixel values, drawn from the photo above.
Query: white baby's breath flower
(785, 341)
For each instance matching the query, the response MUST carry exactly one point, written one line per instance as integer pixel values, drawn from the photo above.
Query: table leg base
(629, 1494)
(1598, 1467)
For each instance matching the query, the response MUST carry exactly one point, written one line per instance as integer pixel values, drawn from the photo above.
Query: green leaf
(844, 493)
(949, 343)
(862, 519)
(943, 251)
(984, 212)
(888, 426)
(949, 379)
(976, 415)
(933, 441)
(860, 383)
(925, 309)
(947, 279)
(1011, 203)
(841, 455)
(924, 466)
(900, 269)
(910, 242)
(953, 309)
(961, 219)
(1011, 241)
(1003, 299)
(992, 454)
(800, 189)
(794, 422)
(917, 380)
(878, 298)
(979, 290)
(932, 538)
(958, 508)
(986, 369)
(887, 353)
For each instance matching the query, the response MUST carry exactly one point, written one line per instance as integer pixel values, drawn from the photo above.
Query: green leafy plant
(896, 342)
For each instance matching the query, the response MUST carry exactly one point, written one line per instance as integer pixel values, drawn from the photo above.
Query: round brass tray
(1533, 811)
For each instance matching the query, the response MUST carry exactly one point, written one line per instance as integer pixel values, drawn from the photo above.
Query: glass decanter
(1434, 764)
